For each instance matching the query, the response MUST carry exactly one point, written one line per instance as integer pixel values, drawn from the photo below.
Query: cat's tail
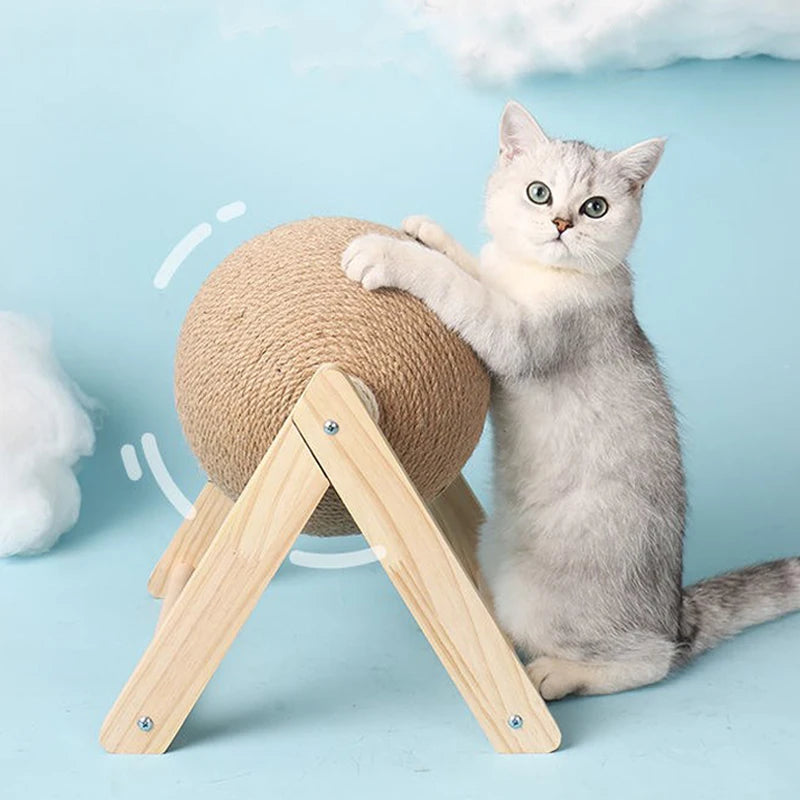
(720, 607)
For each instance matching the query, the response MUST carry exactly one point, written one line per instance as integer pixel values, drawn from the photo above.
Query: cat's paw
(371, 261)
(430, 233)
(555, 678)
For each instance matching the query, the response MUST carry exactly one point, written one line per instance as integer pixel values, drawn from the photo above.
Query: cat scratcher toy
(315, 405)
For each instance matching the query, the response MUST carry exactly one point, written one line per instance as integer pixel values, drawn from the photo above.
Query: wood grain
(224, 588)
(192, 538)
(373, 485)
(460, 515)
(176, 582)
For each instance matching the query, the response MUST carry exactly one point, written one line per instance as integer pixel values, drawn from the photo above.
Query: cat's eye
(595, 207)
(539, 193)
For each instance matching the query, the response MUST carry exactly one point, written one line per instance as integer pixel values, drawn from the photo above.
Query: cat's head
(564, 203)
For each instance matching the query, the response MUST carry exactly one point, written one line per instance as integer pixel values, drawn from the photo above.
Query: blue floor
(122, 129)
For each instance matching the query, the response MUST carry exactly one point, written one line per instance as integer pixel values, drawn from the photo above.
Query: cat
(583, 552)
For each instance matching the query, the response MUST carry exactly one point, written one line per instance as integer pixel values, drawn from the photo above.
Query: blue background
(123, 125)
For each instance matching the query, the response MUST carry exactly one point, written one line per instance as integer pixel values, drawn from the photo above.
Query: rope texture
(278, 307)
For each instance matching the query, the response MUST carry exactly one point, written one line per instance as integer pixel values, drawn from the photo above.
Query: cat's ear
(519, 132)
(639, 162)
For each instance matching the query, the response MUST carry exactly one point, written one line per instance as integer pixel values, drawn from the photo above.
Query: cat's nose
(562, 224)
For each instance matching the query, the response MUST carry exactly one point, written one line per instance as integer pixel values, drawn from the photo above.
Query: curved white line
(231, 211)
(164, 479)
(130, 461)
(179, 253)
(355, 558)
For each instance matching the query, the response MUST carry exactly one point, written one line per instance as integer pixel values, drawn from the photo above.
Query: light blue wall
(124, 125)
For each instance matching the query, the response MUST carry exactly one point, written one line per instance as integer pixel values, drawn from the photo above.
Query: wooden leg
(222, 591)
(176, 582)
(423, 567)
(460, 515)
(192, 539)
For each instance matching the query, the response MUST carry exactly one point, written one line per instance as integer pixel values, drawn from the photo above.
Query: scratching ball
(280, 306)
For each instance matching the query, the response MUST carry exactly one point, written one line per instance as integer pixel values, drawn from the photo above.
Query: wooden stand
(219, 563)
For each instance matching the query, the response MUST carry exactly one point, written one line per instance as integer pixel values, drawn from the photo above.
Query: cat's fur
(583, 553)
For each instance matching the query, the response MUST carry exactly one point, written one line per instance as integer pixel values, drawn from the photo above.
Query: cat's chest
(531, 285)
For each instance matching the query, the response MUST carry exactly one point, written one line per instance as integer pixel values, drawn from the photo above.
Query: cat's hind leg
(557, 677)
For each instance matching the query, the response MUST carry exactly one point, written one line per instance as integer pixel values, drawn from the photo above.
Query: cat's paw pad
(555, 678)
(430, 233)
(369, 260)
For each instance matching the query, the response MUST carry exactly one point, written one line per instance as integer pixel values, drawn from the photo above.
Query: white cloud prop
(44, 430)
(503, 39)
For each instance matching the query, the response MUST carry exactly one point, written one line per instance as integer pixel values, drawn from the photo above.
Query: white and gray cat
(583, 553)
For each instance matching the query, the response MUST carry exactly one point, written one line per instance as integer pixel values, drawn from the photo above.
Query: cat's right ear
(519, 132)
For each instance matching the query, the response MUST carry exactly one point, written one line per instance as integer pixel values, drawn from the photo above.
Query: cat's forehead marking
(576, 166)
(572, 163)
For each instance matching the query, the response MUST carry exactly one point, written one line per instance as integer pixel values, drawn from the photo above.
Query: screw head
(515, 721)
(145, 724)
(331, 427)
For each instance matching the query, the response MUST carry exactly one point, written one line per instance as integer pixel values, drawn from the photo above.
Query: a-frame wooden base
(220, 562)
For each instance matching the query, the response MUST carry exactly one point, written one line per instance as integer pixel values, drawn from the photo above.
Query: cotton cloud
(44, 430)
(503, 39)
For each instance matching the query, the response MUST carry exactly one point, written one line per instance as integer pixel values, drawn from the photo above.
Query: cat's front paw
(428, 232)
(371, 261)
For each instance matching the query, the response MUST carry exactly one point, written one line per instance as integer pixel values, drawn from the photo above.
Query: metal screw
(331, 427)
(515, 721)
(145, 724)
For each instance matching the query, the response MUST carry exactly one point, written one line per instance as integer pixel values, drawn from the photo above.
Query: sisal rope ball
(280, 306)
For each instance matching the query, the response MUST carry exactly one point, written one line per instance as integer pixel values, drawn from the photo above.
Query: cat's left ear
(639, 162)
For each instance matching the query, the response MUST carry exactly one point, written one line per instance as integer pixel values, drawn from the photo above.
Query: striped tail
(720, 607)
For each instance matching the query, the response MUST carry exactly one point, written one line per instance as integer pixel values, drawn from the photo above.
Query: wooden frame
(219, 563)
